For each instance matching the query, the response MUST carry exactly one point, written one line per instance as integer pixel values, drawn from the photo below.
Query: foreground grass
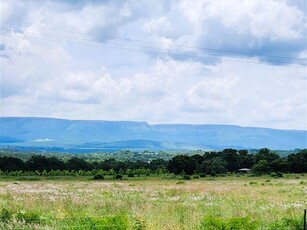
(153, 203)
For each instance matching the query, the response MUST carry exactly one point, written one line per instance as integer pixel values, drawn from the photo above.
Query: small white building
(244, 170)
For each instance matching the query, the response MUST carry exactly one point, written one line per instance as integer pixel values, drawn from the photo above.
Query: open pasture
(154, 202)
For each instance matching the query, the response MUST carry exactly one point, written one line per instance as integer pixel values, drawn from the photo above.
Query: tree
(157, 164)
(11, 164)
(231, 157)
(266, 154)
(262, 167)
(199, 160)
(41, 163)
(245, 160)
(280, 165)
(214, 166)
(76, 164)
(182, 163)
(298, 161)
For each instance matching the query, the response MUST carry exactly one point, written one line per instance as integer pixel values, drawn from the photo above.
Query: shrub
(276, 174)
(202, 175)
(242, 223)
(98, 177)
(118, 222)
(236, 223)
(186, 177)
(196, 176)
(130, 174)
(118, 176)
(253, 183)
(5, 215)
(28, 217)
(287, 224)
(212, 223)
(180, 182)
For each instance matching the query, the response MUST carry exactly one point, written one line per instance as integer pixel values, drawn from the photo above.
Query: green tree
(181, 163)
(262, 167)
(214, 166)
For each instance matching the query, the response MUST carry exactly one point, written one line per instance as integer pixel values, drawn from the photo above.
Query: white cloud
(42, 77)
(261, 18)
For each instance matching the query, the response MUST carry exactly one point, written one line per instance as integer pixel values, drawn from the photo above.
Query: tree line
(228, 160)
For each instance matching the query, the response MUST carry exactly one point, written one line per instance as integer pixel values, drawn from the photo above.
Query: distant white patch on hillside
(44, 140)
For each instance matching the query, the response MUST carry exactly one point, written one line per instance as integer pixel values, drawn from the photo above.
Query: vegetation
(264, 161)
(197, 191)
(154, 202)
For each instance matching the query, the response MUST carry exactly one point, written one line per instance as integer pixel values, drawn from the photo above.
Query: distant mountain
(85, 135)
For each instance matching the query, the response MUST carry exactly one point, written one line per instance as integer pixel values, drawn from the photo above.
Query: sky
(239, 62)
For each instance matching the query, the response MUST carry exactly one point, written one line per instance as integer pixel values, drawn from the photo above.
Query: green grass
(155, 202)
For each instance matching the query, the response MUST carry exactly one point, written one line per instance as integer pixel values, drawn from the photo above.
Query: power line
(142, 46)
(156, 51)
(221, 51)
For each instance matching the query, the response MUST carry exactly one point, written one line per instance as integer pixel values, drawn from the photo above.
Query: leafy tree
(76, 164)
(280, 165)
(182, 163)
(214, 166)
(246, 160)
(199, 160)
(261, 167)
(157, 164)
(231, 157)
(298, 161)
(11, 164)
(266, 154)
(41, 163)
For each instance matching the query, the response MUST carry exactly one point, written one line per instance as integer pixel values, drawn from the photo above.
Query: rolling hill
(95, 135)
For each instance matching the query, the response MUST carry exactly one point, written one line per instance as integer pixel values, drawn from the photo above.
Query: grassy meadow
(153, 202)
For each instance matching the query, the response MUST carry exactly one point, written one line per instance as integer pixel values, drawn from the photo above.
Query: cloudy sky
(240, 62)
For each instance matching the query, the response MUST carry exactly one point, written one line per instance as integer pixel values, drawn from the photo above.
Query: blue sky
(239, 62)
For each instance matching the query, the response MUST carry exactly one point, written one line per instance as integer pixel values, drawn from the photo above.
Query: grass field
(154, 202)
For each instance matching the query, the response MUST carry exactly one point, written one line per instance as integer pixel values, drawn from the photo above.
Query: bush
(28, 217)
(236, 223)
(95, 223)
(130, 175)
(118, 176)
(5, 215)
(276, 174)
(287, 224)
(253, 183)
(202, 175)
(212, 223)
(242, 223)
(186, 177)
(98, 177)
(196, 177)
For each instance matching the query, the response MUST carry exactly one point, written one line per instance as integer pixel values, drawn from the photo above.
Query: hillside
(86, 135)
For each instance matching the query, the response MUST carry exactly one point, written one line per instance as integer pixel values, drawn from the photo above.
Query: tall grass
(154, 203)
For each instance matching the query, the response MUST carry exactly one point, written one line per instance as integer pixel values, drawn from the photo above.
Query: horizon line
(153, 124)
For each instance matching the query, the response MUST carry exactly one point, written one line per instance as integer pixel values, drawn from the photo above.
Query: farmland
(153, 202)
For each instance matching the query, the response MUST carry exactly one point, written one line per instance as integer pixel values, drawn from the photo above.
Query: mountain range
(96, 135)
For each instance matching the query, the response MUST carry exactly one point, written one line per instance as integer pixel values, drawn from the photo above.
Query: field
(153, 202)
